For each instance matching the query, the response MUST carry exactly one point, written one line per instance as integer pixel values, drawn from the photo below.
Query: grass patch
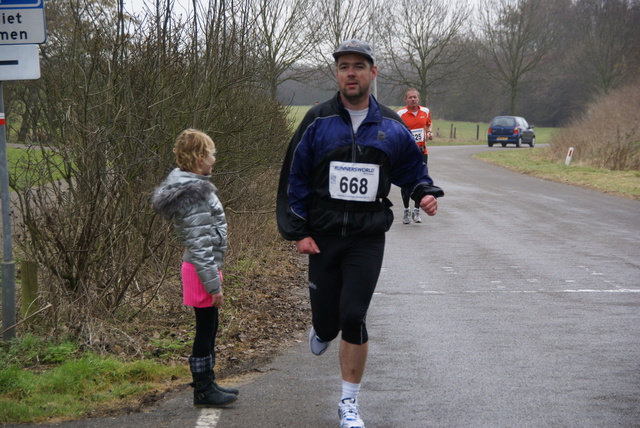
(537, 162)
(33, 166)
(63, 382)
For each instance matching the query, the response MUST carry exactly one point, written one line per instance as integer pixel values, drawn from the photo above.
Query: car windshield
(504, 121)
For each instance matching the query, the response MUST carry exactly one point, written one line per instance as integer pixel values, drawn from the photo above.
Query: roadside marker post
(22, 27)
(567, 161)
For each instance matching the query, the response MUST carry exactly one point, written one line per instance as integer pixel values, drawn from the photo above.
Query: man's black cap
(355, 46)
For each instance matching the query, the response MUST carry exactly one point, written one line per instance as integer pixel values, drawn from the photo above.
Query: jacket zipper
(345, 217)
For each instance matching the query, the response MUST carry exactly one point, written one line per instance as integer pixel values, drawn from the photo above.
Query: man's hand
(307, 246)
(429, 204)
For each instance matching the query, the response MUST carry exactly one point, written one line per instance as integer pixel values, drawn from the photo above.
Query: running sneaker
(317, 346)
(405, 219)
(416, 215)
(348, 412)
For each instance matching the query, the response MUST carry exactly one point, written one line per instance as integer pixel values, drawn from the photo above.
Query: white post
(373, 45)
(569, 155)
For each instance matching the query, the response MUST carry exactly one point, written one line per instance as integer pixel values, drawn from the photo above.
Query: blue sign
(22, 22)
(21, 4)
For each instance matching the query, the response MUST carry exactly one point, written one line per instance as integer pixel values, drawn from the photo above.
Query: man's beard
(355, 98)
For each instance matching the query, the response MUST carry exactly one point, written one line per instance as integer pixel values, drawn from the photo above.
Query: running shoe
(416, 215)
(405, 219)
(317, 346)
(348, 412)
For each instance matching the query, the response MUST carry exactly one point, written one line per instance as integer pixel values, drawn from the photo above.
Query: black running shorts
(342, 279)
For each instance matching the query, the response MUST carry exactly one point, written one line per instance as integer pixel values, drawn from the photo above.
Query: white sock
(350, 390)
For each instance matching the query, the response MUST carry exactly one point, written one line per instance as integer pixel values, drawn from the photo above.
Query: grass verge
(71, 383)
(538, 163)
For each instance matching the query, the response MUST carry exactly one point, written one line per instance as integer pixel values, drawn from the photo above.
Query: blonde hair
(192, 145)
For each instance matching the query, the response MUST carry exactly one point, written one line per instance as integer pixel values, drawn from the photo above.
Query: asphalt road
(518, 305)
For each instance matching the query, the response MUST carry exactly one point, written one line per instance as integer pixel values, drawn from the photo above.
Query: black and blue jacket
(305, 206)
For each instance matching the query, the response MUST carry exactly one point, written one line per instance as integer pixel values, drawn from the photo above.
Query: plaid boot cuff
(201, 364)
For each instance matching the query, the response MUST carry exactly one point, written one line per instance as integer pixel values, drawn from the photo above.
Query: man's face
(412, 99)
(354, 74)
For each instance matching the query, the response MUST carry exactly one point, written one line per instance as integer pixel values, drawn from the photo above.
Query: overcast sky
(138, 5)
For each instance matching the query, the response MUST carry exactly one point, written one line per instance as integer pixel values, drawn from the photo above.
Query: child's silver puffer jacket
(190, 201)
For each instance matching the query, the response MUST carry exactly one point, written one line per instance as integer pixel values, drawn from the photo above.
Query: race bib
(418, 134)
(350, 181)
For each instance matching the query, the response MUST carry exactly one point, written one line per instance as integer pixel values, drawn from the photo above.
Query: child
(189, 199)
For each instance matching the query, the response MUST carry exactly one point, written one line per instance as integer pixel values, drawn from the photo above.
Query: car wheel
(504, 144)
(533, 142)
(519, 142)
(490, 144)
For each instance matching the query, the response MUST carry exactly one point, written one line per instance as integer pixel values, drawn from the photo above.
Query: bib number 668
(354, 185)
(352, 181)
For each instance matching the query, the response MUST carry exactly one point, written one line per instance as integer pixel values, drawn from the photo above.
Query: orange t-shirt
(417, 122)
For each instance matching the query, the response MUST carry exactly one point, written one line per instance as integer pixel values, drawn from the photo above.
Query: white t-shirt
(357, 116)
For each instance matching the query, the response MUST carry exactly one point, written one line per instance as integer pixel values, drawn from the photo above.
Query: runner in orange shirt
(418, 120)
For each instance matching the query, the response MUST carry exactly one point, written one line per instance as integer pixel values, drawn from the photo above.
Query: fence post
(29, 286)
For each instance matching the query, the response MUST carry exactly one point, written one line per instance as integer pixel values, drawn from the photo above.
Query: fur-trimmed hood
(180, 191)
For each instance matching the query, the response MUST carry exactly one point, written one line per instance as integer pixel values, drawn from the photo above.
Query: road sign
(20, 4)
(22, 22)
(19, 62)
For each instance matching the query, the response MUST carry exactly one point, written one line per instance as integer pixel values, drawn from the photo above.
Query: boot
(230, 390)
(205, 394)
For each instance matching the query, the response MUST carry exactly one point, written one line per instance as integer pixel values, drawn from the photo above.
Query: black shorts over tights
(342, 279)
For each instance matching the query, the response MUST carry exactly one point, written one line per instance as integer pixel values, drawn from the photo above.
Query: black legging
(406, 193)
(206, 329)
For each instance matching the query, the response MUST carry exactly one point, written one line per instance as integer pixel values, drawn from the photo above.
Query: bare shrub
(608, 135)
(111, 106)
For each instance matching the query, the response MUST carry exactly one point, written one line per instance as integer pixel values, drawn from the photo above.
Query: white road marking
(208, 418)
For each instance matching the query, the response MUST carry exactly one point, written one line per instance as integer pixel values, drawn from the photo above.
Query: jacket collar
(374, 114)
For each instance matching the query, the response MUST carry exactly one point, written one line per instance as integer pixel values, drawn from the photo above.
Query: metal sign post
(22, 27)
(8, 265)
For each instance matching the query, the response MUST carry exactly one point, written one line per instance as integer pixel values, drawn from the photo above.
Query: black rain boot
(205, 394)
(230, 390)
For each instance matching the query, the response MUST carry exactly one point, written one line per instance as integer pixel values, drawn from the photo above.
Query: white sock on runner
(350, 390)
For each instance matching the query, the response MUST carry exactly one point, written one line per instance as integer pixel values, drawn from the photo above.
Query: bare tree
(340, 20)
(516, 36)
(423, 41)
(284, 36)
(609, 41)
